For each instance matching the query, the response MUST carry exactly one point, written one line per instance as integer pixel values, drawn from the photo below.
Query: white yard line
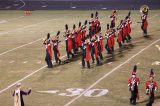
(25, 62)
(12, 61)
(14, 18)
(26, 76)
(38, 62)
(11, 19)
(20, 46)
(158, 47)
(110, 72)
(28, 26)
(110, 63)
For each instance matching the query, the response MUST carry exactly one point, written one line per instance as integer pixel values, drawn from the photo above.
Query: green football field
(22, 56)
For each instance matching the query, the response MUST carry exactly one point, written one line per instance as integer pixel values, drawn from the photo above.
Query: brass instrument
(66, 33)
(144, 9)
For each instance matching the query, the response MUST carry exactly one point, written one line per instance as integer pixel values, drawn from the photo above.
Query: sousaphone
(144, 9)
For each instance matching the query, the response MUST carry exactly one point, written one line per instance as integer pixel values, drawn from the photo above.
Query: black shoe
(59, 62)
(72, 55)
(130, 101)
(133, 103)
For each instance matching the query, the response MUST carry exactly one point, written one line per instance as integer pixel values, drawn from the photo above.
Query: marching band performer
(113, 19)
(68, 39)
(92, 49)
(48, 57)
(84, 30)
(110, 41)
(70, 45)
(120, 34)
(125, 31)
(144, 10)
(91, 26)
(74, 41)
(127, 28)
(86, 53)
(66, 34)
(100, 45)
(129, 22)
(97, 24)
(133, 83)
(79, 36)
(56, 42)
(96, 51)
(151, 87)
(18, 95)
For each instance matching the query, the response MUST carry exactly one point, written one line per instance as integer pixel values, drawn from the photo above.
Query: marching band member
(96, 51)
(129, 25)
(151, 87)
(120, 34)
(125, 31)
(18, 95)
(84, 30)
(56, 42)
(110, 41)
(74, 41)
(70, 45)
(68, 39)
(97, 24)
(48, 57)
(86, 53)
(92, 40)
(66, 34)
(79, 36)
(133, 83)
(100, 45)
(113, 19)
(144, 16)
(91, 26)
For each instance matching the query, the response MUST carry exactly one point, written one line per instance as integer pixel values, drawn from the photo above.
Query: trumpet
(144, 9)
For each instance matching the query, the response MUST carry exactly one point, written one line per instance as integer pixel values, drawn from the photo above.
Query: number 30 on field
(90, 93)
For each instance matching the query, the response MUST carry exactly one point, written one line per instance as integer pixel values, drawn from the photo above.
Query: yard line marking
(158, 47)
(12, 61)
(28, 26)
(110, 72)
(137, 63)
(20, 47)
(156, 63)
(27, 76)
(38, 62)
(25, 62)
(14, 18)
(3, 21)
(110, 63)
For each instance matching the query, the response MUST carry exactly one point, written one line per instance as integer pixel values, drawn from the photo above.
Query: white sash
(17, 100)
